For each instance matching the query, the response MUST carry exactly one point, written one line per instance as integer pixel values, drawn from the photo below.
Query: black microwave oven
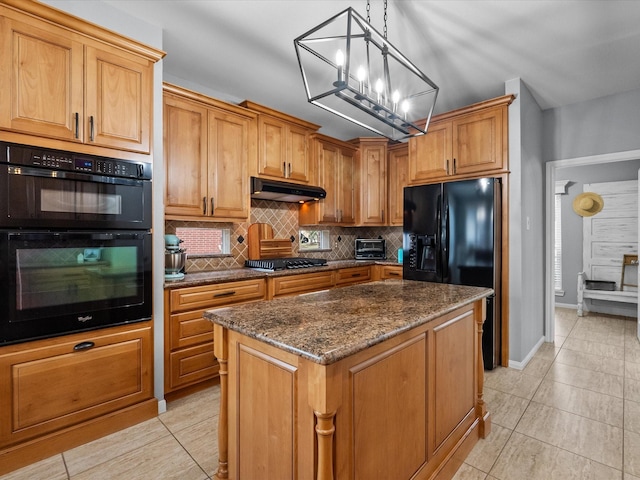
(370, 249)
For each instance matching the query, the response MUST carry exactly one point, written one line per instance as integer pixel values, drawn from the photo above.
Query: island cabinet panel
(390, 271)
(64, 80)
(394, 410)
(266, 434)
(454, 393)
(409, 407)
(55, 384)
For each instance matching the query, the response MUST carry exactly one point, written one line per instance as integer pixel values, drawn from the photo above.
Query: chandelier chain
(368, 12)
(385, 19)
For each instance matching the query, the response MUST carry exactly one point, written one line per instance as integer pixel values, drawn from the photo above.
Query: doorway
(551, 176)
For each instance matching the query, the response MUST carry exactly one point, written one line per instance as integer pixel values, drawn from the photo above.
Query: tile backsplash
(283, 217)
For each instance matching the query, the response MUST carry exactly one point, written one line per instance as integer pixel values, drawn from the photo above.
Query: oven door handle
(87, 177)
(83, 346)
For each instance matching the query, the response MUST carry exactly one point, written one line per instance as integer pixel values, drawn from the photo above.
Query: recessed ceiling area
(565, 51)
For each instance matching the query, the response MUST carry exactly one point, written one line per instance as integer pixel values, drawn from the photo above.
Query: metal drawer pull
(395, 274)
(356, 274)
(224, 294)
(83, 346)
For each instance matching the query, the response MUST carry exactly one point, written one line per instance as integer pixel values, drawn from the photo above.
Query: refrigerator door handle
(445, 243)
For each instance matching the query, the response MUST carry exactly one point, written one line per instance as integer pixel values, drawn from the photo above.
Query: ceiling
(564, 51)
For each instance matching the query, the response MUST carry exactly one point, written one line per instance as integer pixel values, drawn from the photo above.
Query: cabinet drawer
(346, 276)
(209, 296)
(191, 365)
(52, 386)
(296, 284)
(189, 328)
(389, 271)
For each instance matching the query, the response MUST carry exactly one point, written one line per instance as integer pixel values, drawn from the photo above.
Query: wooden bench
(608, 295)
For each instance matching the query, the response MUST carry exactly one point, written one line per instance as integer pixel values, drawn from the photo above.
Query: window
(312, 240)
(204, 241)
(557, 250)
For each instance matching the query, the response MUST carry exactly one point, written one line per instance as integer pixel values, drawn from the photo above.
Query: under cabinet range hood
(284, 192)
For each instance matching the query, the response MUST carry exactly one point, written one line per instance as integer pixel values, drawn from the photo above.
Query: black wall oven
(75, 242)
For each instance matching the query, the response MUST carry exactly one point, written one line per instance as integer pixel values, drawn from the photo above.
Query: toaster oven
(370, 249)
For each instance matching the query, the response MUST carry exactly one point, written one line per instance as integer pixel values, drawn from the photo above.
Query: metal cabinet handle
(454, 166)
(91, 128)
(77, 127)
(212, 205)
(289, 174)
(393, 274)
(382, 214)
(83, 346)
(224, 294)
(284, 169)
(447, 166)
(356, 274)
(204, 205)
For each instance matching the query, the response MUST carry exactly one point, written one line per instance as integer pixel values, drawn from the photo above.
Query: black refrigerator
(451, 234)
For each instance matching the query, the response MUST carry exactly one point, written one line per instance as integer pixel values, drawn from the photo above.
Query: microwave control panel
(69, 161)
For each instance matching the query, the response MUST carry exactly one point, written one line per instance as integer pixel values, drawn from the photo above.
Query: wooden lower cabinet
(352, 275)
(297, 284)
(189, 339)
(57, 393)
(390, 271)
(408, 408)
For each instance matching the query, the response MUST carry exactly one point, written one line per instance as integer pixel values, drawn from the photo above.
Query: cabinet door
(297, 284)
(272, 147)
(118, 99)
(229, 138)
(53, 384)
(298, 154)
(185, 157)
(41, 80)
(398, 179)
(328, 161)
(477, 142)
(373, 185)
(346, 174)
(430, 155)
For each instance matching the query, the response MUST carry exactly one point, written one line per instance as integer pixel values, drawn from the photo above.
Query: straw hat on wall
(588, 204)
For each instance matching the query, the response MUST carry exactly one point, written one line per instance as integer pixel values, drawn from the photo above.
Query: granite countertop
(327, 326)
(235, 274)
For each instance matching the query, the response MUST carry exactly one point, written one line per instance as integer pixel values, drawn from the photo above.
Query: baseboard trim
(521, 365)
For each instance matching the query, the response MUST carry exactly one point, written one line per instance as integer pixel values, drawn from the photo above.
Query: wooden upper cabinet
(284, 150)
(398, 169)
(463, 143)
(372, 185)
(208, 146)
(336, 166)
(118, 100)
(185, 156)
(56, 82)
(430, 154)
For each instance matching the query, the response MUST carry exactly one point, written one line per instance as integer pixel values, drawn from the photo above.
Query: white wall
(113, 19)
(526, 225)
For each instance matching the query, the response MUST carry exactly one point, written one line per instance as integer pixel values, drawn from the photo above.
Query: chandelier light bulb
(340, 64)
(406, 106)
(395, 98)
(379, 89)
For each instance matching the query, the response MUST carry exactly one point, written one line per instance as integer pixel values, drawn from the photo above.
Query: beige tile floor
(572, 413)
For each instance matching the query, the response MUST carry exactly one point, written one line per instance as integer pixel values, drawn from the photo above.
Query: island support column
(484, 417)
(325, 394)
(221, 352)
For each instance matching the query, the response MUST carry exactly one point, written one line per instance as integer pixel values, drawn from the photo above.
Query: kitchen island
(378, 380)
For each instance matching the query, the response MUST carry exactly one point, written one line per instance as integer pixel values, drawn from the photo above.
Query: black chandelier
(351, 70)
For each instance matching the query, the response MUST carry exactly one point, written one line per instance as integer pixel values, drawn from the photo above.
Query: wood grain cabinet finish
(60, 383)
(298, 284)
(372, 185)
(398, 172)
(409, 407)
(208, 146)
(390, 271)
(283, 145)
(58, 84)
(463, 143)
(353, 275)
(335, 162)
(189, 337)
